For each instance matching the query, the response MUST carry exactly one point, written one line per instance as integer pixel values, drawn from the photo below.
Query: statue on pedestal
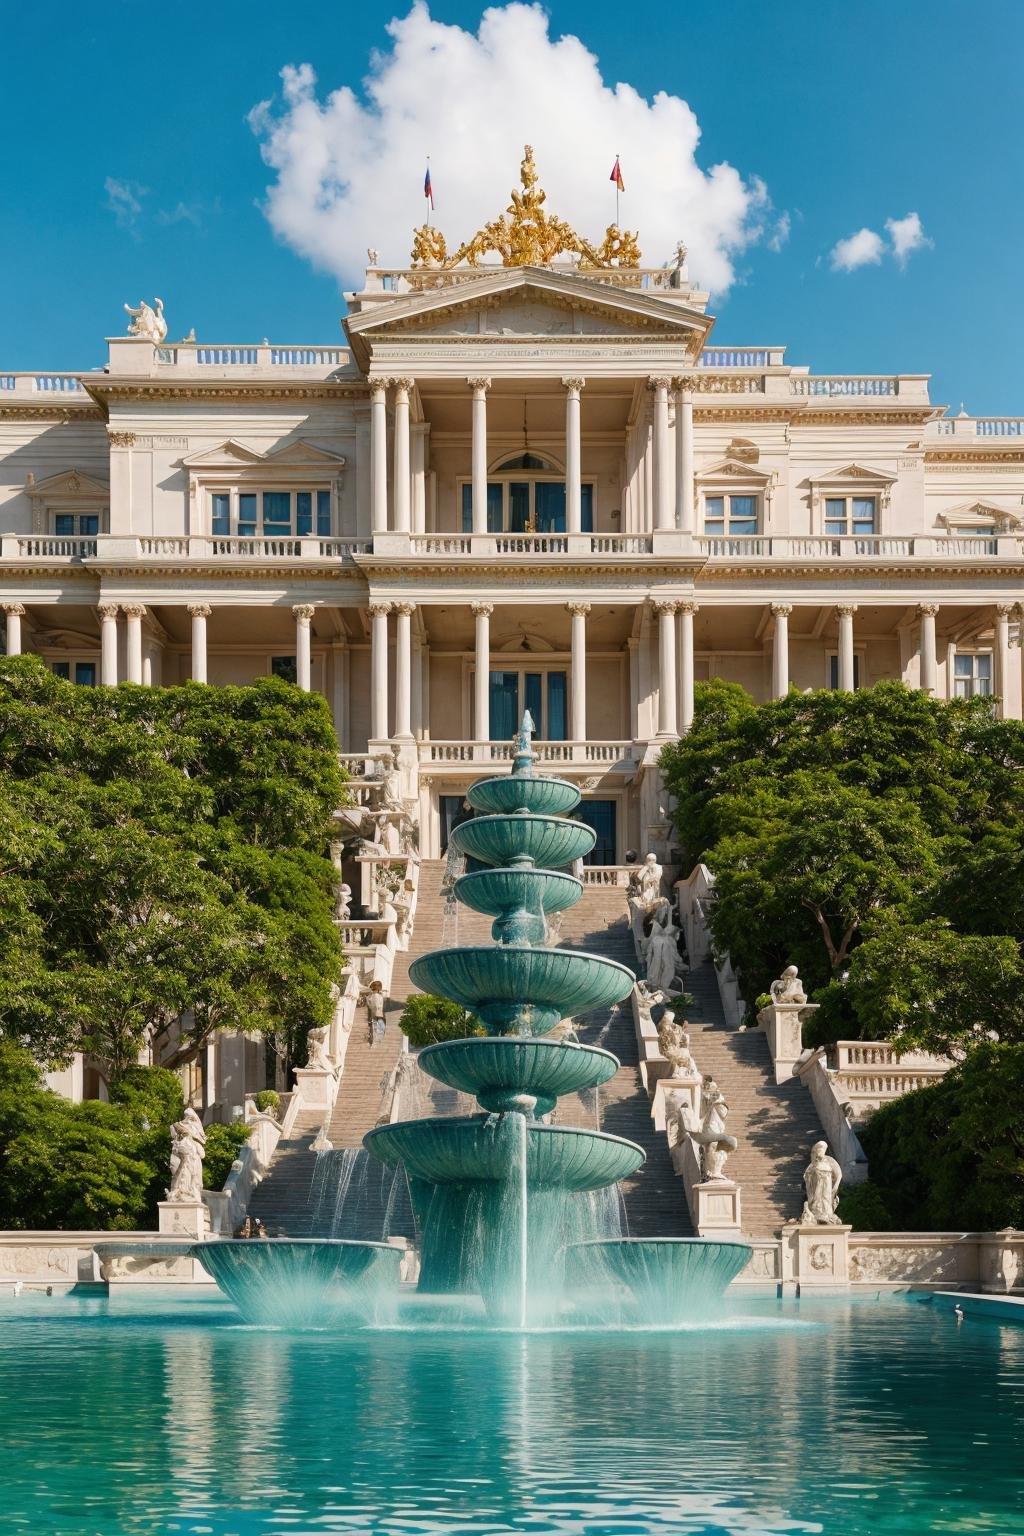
(147, 323)
(317, 1055)
(188, 1148)
(661, 950)
(712, 1138)
(822, 1179)
(649, 882)
(675, 1046)
(788, 989)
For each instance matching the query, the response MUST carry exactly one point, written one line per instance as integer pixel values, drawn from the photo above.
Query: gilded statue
(526, 235)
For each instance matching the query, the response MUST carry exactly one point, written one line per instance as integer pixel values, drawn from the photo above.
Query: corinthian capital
(479, 386)
(303, 612)
(574, 385)
(482, 610)
(378, 610)
(578, 610)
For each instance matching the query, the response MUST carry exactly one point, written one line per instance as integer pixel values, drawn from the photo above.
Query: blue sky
(130, 168)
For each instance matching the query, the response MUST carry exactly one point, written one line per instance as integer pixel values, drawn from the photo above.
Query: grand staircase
(775, 1123)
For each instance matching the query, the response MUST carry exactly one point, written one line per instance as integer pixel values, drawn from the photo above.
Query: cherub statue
(188, 1148)
(147, 322)
(822, 1179)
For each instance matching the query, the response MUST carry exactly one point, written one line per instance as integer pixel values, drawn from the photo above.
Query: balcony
(884, 548)
(25, 548)
(478, 545)
(605, 756)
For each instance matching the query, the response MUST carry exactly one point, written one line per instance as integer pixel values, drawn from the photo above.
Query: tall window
(524, 502)
(544, 694)
(83, 672)
(972, 675)
(851, 515)
(71, 525)
(833, 670)
(270, 514)
(730, 516)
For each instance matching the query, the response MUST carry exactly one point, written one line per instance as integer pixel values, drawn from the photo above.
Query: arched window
(526, 494)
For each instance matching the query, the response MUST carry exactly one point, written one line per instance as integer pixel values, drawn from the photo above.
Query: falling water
(355, 1196)
(524, 1231)
(454, 866)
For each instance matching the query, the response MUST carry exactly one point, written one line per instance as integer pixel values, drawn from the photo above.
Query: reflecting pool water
(151, 1414)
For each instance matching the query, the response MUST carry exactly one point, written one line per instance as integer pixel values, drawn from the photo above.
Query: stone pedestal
(816, 1257)
(184, 1218)
(669, 1094)
(315, 1087)
(718, 1208)
(781, 1024)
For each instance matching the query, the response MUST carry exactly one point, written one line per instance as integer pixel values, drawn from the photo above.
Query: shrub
(427, 1020)
(268, 1101)
(864, 1207)
(223, 1144)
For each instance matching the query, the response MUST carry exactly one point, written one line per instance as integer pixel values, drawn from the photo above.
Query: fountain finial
(523, 755)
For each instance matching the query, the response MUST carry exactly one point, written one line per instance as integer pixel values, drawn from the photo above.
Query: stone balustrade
(18, 386)
(611, 754)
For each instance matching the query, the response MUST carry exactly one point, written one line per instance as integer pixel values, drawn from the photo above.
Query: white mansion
(528, 483)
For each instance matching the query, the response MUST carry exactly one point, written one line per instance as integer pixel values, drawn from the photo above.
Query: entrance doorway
(600, 815)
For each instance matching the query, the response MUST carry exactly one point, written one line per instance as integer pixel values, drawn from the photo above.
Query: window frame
(524, 668)
(531, 477)
(234, 495)
(849, 517)
(726, 495)
(973, 654)
(832, 660)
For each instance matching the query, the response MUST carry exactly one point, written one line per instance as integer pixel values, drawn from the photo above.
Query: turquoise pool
(156, 1415)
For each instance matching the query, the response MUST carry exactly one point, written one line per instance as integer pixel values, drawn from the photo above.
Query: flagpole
(617, 178)
(429, 199)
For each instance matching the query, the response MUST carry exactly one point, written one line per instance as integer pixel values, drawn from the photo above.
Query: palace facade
(540, 485)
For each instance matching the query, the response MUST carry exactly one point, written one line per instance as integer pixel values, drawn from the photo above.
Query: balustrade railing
(741, 357)
(845, 547)
(41, 384)
(833, 385)
(48, 546)
(531, 543)
(580, 753)
(190, 354)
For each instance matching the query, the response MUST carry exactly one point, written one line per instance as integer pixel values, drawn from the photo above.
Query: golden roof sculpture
(525, 235)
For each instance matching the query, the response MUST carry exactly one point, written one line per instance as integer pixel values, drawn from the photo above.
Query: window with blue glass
(71, 525)
(82, 672)
(730, 516)
(527, 506)
(271, 514)
(544, 694)
(851, 515)
(600, 816)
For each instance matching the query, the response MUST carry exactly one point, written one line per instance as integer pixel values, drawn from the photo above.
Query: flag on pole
(616, 176)
(428, 190)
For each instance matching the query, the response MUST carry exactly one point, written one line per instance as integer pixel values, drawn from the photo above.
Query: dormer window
(731, 516)
(851, 515)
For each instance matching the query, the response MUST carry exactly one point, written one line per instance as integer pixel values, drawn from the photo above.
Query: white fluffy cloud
(863, 249)
(907, 236)
(349, 167)
(124, 200)
(867, 247)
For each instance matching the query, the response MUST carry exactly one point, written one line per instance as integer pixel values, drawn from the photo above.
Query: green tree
(427, 1020)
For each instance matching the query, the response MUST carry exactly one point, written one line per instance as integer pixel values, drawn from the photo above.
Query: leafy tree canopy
(427, 1020)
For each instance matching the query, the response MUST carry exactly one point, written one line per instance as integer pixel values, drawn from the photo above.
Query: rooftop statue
(147, 323)
(526, 235)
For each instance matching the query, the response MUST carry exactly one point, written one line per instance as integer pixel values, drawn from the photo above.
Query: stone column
(667, 713)
(578, 672)
(573, 457)
(403, 669)
(402, 476)
(379, 671)
(379, 455)
(1001, 681)
(482, 680)
(15, 613)
(479, 461)
(134, 614)
(780, 650)
(685, 515)
(108, 644)
(303, 615)
(846, 612)
(664, 513)
(927, 612)
(686, 615)
(199, 612)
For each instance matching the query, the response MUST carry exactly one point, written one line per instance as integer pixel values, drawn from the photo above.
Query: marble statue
(390, 780)
(712, 1138)
(649, 880)
(675, 1046)
(147, 322)
(188, 1148)
(661, 951)
(343, 908)
(788, 989)
(372, 256)
(822, 1179)
(317, 1055)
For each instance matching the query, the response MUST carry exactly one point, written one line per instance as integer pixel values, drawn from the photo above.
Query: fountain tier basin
(520, 792)
(517, 900)
(522, 991)
(523, 839)
(474, 1149)
(499, 1071)
(303, 1282)
(669, 1280)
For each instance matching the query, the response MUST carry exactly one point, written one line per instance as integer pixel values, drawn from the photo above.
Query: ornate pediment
(69, 485)
(732, 469)
(293, 455)
(847, 474)
(981, 513)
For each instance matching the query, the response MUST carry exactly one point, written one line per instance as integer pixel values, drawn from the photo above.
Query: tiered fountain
(510, 1208)
(505, 1201)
